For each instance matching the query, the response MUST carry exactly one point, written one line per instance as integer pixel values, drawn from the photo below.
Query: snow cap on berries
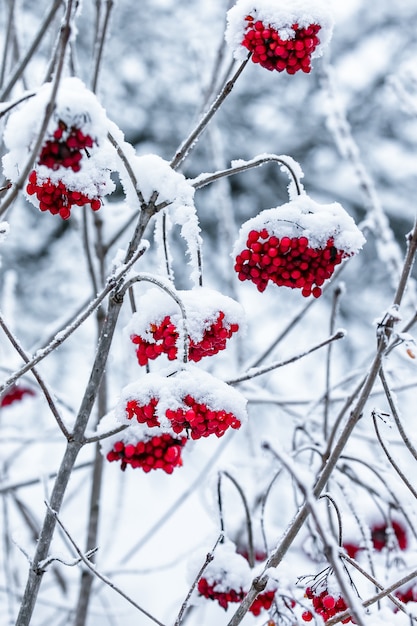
(176, 396)
(296, 245)
(211, 318)
(73, 167)
(284, 17)
(228, 571)
(75, 105)
(304, 216)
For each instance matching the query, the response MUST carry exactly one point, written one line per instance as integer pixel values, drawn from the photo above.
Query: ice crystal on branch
(75, 161)
(279, 34)
(212, 319)
(296, 245)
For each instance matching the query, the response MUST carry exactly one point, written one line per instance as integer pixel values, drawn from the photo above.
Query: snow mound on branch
(154, 174)
(280, 15)
(202, 307)
(171, 389)
(305, 217)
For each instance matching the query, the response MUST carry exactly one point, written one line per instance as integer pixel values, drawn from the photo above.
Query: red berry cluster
(56, 198)
(262, 601)
(145, 414)
(325, 605)
(165, 335)
(200, 421)
(222, 597)
(65, 148)
(159, 452)
(274, 53)
(379, 535)
(15, 394)
(287, 262)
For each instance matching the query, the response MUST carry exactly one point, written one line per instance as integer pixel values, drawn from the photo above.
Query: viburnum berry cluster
(274, 53)
(211, 319)
(75, 160)
(297, 245)
(325, 604)
(57, 198)
(281, 36)
(158, 452)
(227, 578)
(165, 337)
(163, 411)
(65, 148)
(197, 419)
(222, 597)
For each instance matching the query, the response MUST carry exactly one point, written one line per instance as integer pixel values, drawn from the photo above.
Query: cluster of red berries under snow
(211, 320)
(296, 245)
(325, 604)
(280, 35)
(227, 579)
(75, 161)
(163, 412)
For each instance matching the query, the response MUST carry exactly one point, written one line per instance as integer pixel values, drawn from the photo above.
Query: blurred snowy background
(352, 126)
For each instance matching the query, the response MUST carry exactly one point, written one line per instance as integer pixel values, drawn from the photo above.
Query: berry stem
(253, 372)
(251, 551)
(283, 160)
(191, 140)
(208, 560)
(165, 287)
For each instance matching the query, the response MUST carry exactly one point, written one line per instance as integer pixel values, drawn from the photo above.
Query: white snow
(202, 306)
(170, 390)
(75, 106)
(305, 217)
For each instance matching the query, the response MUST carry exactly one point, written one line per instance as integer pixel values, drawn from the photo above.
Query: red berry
(307, 616)
(274, 53)
(288, 262)
(56, 198)
(159, 452)
(329, 602)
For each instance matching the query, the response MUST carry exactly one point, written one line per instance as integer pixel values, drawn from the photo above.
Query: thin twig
(251, 551)
(61, 336)
(209, 558)
(41, 383)
(253, 372)
(100, 46)
(31, 50)
(93, 569)
(395, 414)
(283, 160)
(393, 463)
(190, 141)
